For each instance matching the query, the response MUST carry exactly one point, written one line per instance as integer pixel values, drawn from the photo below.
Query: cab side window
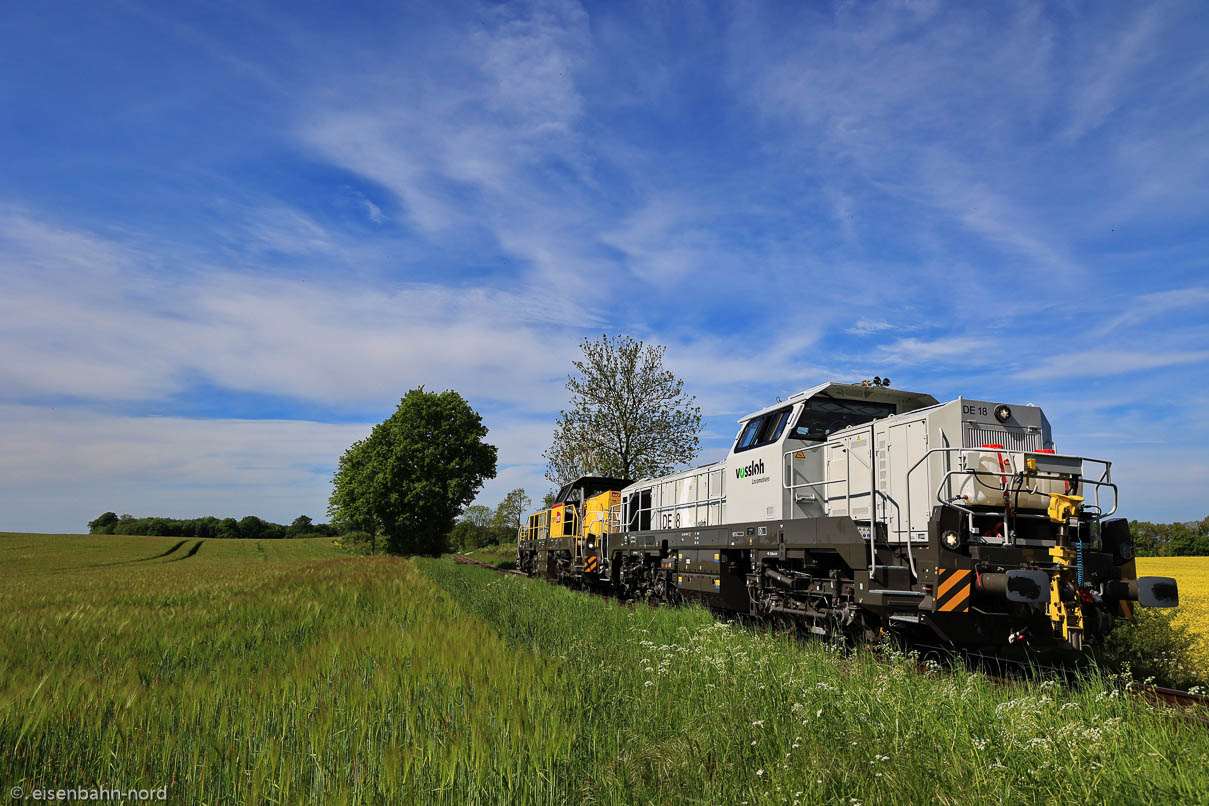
(747, 439)
(763, 430)
(776, 424)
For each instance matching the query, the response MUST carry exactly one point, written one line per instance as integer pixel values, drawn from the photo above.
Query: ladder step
(896, 593)
(907, 619)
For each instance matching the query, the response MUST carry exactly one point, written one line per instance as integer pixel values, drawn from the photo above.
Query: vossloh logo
(754, 469)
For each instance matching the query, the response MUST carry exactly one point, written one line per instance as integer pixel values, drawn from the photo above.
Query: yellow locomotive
(568, 536)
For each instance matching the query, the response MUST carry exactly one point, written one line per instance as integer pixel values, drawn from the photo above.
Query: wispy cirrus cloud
(1140, 308)
(1104, 363)
(965, 350)
(865, 327)
(124, 333)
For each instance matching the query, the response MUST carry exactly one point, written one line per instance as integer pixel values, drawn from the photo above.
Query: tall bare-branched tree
(629, 416)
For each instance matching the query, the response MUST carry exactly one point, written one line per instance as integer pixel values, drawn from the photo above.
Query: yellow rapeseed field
(1192, 574)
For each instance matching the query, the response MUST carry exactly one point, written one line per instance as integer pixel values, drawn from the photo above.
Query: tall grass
(289, 672)
(673, 705)
(276, 673)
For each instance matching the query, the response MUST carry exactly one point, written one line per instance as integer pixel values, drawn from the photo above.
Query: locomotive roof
(853, 391)
(597, 484)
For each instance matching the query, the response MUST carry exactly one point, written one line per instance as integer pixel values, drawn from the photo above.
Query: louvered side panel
(1012, 439)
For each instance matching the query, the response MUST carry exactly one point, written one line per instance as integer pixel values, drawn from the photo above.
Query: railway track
(464, 560)
(1195, 705)
(1192, 707)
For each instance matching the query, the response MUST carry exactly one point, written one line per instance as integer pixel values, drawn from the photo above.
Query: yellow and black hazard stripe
(954, 588)
(591, 564)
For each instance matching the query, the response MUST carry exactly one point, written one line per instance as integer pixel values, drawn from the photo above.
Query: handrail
(656, 490)
(846, 442)
(1097, 484)
(1103, 481)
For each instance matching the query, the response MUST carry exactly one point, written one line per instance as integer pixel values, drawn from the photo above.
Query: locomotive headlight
(951, 539)
(1003, 413)
(1125, 550)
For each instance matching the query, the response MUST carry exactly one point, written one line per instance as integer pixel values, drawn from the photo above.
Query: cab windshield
(823, 416)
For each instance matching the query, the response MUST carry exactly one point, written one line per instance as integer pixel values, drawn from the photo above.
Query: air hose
(1079, 561)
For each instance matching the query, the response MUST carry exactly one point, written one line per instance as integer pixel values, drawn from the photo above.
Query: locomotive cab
(766, 482)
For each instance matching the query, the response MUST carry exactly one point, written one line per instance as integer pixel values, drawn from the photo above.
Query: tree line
(249, 527)
(481, 526)
(1189, 539)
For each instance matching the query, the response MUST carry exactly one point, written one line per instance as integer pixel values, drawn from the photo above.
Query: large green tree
(629, 416)
(414, 473)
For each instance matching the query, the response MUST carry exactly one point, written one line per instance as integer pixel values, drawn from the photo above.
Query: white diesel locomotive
(858, 508)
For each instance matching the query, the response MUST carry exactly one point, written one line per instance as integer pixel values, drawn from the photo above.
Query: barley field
(236, 672)
(1192, 574)
(272, 672)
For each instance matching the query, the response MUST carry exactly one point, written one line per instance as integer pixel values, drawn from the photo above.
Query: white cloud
(373, 211)
(965, 351)
(864, 327)
(495, 152)
(282, 229)
(108, 328)
(59, 468)
(1107, 362)
(1106, 73)
(1138, 309)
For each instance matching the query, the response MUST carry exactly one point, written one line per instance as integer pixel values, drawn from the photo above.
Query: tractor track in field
(196, 547)
(1187, 705)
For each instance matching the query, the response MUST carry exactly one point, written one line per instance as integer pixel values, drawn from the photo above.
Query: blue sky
(232, 235)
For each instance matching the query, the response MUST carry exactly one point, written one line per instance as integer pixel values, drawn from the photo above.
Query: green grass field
(288, 672)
